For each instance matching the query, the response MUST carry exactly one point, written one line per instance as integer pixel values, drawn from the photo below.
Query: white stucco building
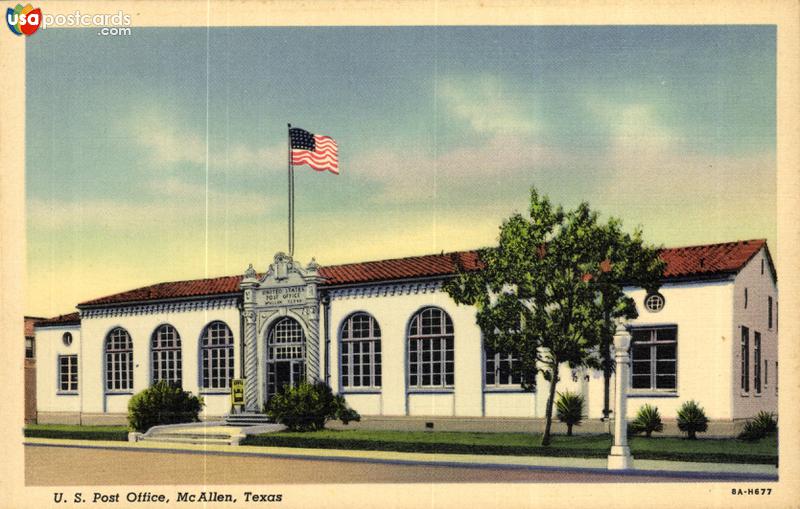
(385, 335)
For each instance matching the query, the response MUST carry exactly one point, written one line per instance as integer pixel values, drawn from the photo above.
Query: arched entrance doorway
(286, 355)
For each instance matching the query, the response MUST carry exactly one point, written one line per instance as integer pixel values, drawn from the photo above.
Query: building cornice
(386, 289)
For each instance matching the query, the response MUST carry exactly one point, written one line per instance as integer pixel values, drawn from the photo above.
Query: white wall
(703, 312)
(755, 317)
(708, 345)
(393, 313)
(49, 346)
(189, 325)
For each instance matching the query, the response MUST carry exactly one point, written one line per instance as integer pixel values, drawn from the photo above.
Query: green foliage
(767, 421)
(647, 421)
(762, 425)
(162, 403)
(569, 410)
(77, 432)
(308, 407)
(692, 419)
(550, 290)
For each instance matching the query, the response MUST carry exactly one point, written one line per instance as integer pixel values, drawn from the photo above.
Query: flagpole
(291, 193)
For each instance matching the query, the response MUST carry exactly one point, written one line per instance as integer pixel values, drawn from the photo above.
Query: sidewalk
(642, 467)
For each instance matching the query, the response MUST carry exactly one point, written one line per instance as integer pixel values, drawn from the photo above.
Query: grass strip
(593, 447)
(76, 432)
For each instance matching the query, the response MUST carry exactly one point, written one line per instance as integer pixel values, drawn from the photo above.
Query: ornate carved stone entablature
(155, 308)
(386, 290)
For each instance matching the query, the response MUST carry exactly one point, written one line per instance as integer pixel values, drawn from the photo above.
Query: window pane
(665, 382)
(641, 368)
(666, 334)
(665, 367)
(666, 351)
(641, 381)
(640, 352)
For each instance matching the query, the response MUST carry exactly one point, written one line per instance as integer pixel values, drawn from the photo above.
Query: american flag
(319, 152)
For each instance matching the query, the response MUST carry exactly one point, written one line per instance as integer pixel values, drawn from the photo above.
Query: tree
(625, 260)
(551, 290)
(534, 295)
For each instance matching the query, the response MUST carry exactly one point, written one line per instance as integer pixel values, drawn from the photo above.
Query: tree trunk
(548, 414)
(569, 429)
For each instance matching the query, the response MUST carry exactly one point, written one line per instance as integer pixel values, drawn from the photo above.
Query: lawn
(77, 432)
(526, 444)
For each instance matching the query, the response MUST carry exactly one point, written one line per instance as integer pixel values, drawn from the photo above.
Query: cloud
(171, 202)
(487, 105)
(416, 176)
(166, 144)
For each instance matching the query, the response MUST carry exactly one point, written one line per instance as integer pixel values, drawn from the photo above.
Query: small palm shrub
(308, 407)
(162, 403)
(569, 410)
(766, 421)
(647, 421)
(692, 419)
(762, 425)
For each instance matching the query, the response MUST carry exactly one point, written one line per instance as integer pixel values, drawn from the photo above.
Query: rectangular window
(757, 362)
(766, 373)
(217, 365)
(30, 348)
(361, 363)
(431, 362)
(769, 311)
(745, 298)
(67, 373)
(745, 361)
(499, 369)
(654, 359)
(776, 378)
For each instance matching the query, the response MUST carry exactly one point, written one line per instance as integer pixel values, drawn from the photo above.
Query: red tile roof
(171, 290)
(401, 268)
(30, 321)
(710, 259)
(68, 319)
(682, 262)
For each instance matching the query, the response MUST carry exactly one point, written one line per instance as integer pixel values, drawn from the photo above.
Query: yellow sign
(237, 391)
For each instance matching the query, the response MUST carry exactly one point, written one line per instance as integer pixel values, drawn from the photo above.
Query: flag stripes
(319, 152)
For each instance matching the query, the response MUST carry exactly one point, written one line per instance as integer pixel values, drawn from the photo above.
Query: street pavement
(70, 463)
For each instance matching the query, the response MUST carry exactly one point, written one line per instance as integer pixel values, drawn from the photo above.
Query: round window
(67, 338)
(654, 302)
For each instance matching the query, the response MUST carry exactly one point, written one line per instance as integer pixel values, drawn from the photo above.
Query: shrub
(767, 421)
(308, 407)
(569, 409)
(163, 403)
(647, 421)
(692, 419)
(762, 425)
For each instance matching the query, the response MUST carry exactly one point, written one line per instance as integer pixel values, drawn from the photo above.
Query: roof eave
(157, 301)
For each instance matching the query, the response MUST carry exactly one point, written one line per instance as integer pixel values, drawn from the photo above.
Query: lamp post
(620, 457)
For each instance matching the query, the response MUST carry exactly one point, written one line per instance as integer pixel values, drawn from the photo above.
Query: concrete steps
(189, 439)
(247, 419)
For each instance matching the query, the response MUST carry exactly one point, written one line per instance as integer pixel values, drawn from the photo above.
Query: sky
(161, 156)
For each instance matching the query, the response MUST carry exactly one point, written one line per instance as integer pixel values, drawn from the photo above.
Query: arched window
(361, 352)
(216, 356)
(286, 355)
(430, 349)
(165, 349)
(119, 360)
